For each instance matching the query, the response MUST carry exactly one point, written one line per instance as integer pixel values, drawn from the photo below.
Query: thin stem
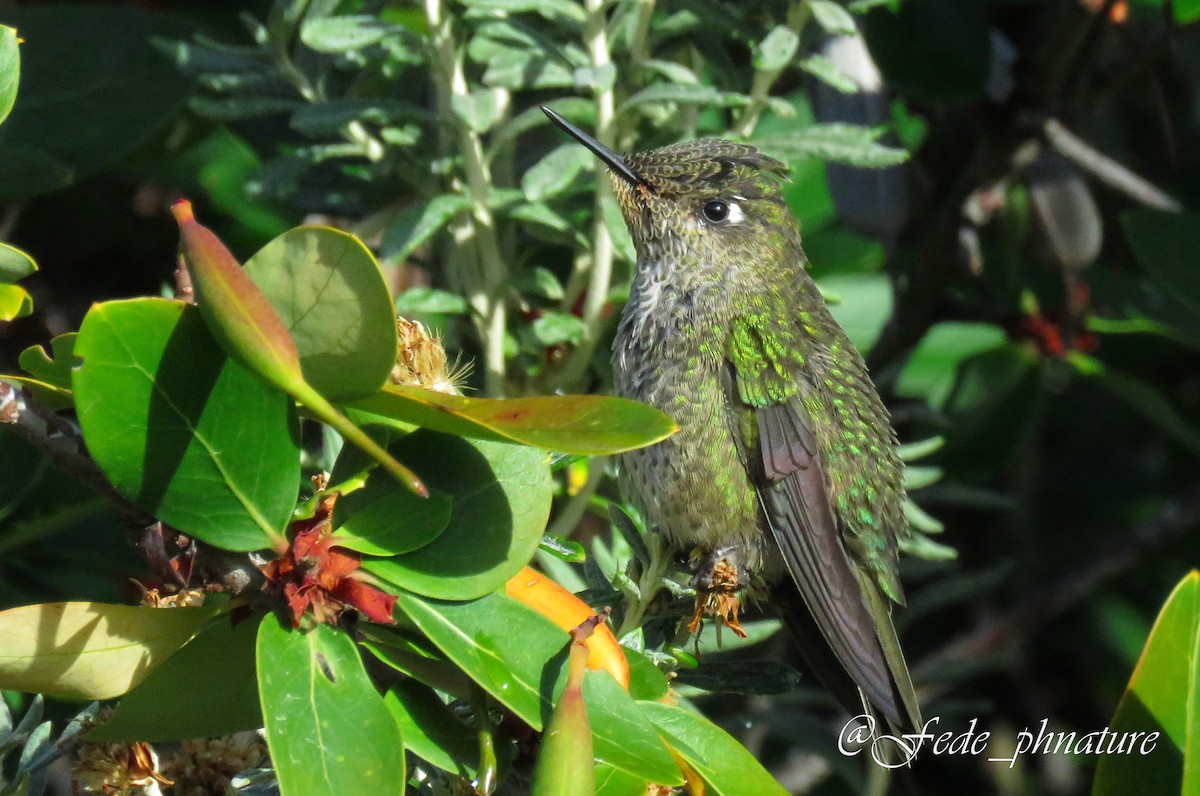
(649, 584)
(486, 277)
(760, 90)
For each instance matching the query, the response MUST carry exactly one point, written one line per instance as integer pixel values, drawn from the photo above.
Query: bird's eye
(716, 211)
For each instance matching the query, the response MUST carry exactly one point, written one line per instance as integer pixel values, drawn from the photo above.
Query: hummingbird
(783, 482)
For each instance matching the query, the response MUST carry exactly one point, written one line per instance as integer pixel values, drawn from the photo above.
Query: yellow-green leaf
(86, 650)
(1156, 729)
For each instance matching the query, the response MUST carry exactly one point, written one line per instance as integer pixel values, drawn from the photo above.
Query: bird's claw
(721, 599)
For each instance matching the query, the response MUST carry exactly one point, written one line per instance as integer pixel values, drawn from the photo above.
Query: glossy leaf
(1165, 245)
(501, 500)
(14, 263)
(83, 650)
(181, 430)
(15, 302)
(189, 697)
(1162, 698)
(931, 370)
(327, 728)
(10, 72)
(727, 768)
(583, 424)
(332, 297)
(612, 781)
(248, 328)
(431, 730)
(518, 657)
(385, 518)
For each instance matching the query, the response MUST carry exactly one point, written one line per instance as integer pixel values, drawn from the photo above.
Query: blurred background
(999, 197)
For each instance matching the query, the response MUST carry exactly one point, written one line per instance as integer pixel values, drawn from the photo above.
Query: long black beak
(610, 158)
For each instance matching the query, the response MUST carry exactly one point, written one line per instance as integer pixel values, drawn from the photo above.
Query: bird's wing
(779, 438)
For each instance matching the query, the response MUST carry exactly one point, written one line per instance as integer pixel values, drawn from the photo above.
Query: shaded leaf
(10, 72)
(85, 650)
(181, 430)
(931, 370)
(418, 224)
(583, 424)
(189, 697)
(478, 110)
(431, 730)
(343, 33)
(327, 728)
(556, 172)
(333, 298)
(828, 73)
(14, 263)
(428, 301)
(57, 371)
(501, 499)
(385, 518)
(1165, 245)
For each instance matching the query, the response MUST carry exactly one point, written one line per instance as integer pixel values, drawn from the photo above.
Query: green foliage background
(1019, 262)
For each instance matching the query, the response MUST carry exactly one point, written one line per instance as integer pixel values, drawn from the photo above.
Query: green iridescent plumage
(785, 464)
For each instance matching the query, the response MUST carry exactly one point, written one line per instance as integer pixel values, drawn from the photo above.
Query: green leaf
(550, 9)
(1165, 245)
(55, 372)
(833, 18)
(553, 328)
(344, 33)
(1186, 11)
(334, 300)
(418, 224)
(327, 728)
(851, 144)
(501, 499)
(582, 424)
(767, 678)
(1161, 705)
(612, 781)
(777, 49)
(430, 301)
(556, 172)
(86, 62)
(14, 263)
(182, 431)
(189, 697)
(724, 763)
(685, 94)
(931, 370)
(646, 681)
(828, 73)
(1144, 398)
(866, 302)
(10, 71)
(86, 650)
(386, 518)
(431, 730)
(478, 110)
(519, 656)
(15, 302)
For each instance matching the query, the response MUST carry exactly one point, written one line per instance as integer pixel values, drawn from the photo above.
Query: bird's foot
(721, 598)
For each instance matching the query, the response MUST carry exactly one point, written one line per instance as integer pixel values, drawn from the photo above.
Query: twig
(1039, 609)
(60, 441)
(1107, 170)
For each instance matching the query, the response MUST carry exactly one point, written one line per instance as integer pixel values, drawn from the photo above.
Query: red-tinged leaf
(90, 650)
(374, 604)
(565, 765)
(580, 424)
(236, 311)
(250, 330)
